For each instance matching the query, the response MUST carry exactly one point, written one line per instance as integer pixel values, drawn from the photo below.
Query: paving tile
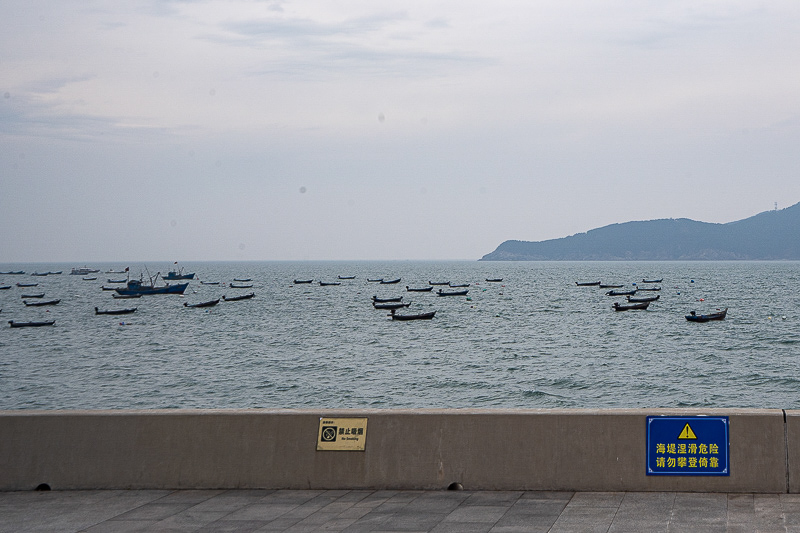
(261, 511)
(154, 511)
(190, 496)
(493, 498)
(117, 526)
(596, 499)
(547, 495)
(477, 513)
(233, 526)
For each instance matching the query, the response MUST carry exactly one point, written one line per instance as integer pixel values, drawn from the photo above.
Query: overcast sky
(248, 130)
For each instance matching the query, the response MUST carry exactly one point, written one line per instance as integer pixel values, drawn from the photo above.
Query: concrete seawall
(525, 449)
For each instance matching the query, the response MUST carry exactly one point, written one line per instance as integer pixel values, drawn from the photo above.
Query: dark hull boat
(173, 275)
(40, 304)
(377, 300)
(38, 295)
(376, 280)
(418, 289)
(652, 280)
(644, 299)
(210, 303)
(301, 281)
(243, 280)
(421, 316)
(587, 283)
(27, 284)
(694, 317)
(458, 285)
(235, 286)
(31, 324)
(137, 287)
(115, 311)
(390, 306)
(5, 287)
(629, 307)
(390, 282)
(209, 283)
(13, 273)
(649, 289)
(452, 293)
(621, 293)
(494, 280)
(602, 286)
(328, 283)
(237, 298)
(109, 280)
(125, 296)
(347, 277)
(438, 283)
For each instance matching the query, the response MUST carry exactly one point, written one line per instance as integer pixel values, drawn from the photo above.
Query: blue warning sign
(687, 446)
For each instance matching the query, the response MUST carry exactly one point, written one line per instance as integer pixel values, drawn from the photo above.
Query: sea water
(536, 339)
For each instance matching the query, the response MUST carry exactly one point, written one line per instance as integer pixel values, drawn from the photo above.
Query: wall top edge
(401, 412)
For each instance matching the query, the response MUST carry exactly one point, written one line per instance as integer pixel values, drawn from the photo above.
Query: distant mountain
(770, 235)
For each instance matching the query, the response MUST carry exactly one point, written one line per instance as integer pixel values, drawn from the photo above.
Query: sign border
(688, 419)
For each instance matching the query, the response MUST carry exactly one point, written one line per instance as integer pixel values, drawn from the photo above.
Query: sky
(370, 130)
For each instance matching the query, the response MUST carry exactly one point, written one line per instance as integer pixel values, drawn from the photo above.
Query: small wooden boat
(124, 296)
(210, 303)
(93, 278)
(587, 283)
(56, 273)
(209, 283)
(5, 287)
(39, 273)
(452, 293)
(418, 289)
(621, 293)
(37, 295)
(346, 277)
(301, 281)
(420, 316)
(494, 280)
(109, 280)
(649, 289)
(438, 283)
(458, 285)
(235, 286)
(652, 280)
(644, 299)
(389, 282)
(13, 273)
(103, 287)
(27, 284)
(376, 280)
(237, 298)
(719, 315)
(375, 299)
(392, 306)
(31, 324)
(628, 307)
(115, 311)
(327, 283)
(603, 286)
(40, 304)
(243, 280)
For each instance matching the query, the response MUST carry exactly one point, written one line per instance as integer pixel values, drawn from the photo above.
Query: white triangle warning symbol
(687, 433)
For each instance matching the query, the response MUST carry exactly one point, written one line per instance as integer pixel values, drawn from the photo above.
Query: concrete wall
(598, 450)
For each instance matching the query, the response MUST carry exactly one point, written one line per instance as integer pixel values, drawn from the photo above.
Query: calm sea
(533, 340)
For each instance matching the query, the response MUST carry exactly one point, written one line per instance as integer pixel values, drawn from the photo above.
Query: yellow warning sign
(687, 434)
(342, 434)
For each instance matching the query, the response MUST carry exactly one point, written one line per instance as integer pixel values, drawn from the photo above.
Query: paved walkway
(385, 511)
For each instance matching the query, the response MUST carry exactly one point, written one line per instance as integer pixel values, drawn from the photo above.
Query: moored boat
(418, 289)
(37, 295)
(84, 271)
(628, 307)
(649, 289)
(40, 304)
(376, 280)
(621, 293)
(209, 283)
(420, 316)
(346, 277)
(243, 280)
(458, 285)
(13, 272)
(239, 286)
(719, 315)
(389, 282)
(115, 311)
(392, 305)
(31, 324)
(652, 280)
(237, 298)
(27, 284)
(604, 286)
(135, 286)
(375, 299)
(210, 303)
(643, 299)
(494, 280)
(302, 281)
(328, 283)
(438, 282)
(452, 293)
(173, 275)
(587, 283)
